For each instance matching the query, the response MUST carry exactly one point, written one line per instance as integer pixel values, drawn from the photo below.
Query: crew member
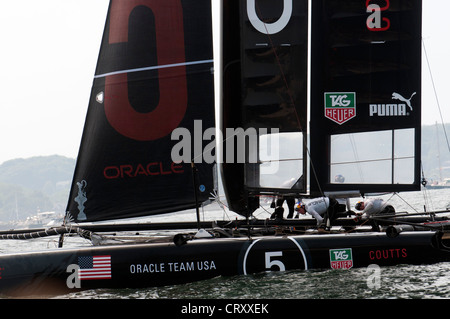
(323, 209)
(290, 201)
(374, 206)
(278, 213)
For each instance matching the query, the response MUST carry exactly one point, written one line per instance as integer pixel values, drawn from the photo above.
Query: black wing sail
(265, 97)
(154, 75)
(366, 95)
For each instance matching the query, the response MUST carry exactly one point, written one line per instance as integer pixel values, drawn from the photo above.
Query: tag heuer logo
(340, 106)
(341, 258)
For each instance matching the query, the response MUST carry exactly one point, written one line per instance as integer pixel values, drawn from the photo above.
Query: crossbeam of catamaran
(91, 231)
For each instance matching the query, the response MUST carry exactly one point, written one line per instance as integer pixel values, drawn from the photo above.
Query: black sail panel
(153, 76)
(265, 94)
(366, 95)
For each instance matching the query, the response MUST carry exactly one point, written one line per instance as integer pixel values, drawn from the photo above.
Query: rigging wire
(425, 190)
(435, 93)
(398, 195)
(357, 161)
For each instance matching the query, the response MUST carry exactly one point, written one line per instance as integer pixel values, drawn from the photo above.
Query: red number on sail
(172, 79)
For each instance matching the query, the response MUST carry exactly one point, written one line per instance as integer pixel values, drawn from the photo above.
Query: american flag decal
(94, 267)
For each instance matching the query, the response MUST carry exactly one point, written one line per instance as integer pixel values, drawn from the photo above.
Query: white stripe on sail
(157, 67)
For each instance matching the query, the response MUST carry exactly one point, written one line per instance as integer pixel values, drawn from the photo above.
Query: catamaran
(150, 144)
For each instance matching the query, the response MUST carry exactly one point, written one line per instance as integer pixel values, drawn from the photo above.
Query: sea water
(401, 281)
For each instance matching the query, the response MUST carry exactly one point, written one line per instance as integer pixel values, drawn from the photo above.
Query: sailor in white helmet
(321, 208)
(374, 206)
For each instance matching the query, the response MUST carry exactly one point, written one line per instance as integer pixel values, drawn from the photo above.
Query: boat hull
(148, 265)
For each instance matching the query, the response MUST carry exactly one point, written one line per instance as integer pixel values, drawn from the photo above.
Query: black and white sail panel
(264, 93)
(154, 75)
(366, 95)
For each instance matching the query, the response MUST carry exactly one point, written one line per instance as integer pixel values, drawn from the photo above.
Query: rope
(49, 232)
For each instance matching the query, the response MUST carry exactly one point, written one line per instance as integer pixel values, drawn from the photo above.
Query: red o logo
(172, 79)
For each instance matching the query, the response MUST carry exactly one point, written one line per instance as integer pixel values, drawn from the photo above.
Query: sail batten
(157, 67)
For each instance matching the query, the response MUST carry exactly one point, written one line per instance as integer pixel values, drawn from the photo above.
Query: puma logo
(396, 96)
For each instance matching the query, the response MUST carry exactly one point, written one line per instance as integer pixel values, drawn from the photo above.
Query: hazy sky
(47, 61)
